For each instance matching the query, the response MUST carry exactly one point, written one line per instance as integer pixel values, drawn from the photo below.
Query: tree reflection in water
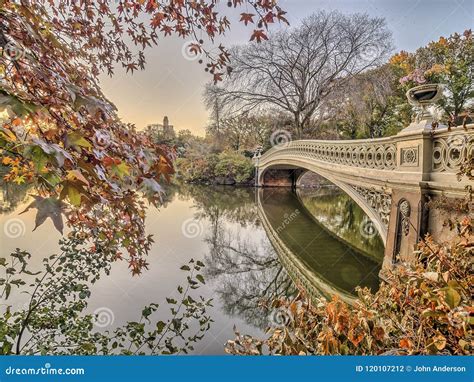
(242, 264)
(333, 208)
(246, 272)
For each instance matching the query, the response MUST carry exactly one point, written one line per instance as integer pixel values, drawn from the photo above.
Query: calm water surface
(222, 228)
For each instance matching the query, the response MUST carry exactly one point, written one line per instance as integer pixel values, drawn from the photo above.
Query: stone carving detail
(450, 151)
(409, 156)
(405, 212)
(381, 156)
(380, 201)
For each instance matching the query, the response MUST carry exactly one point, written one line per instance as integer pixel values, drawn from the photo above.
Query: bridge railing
(448, 149)
(378, 153)
(451, 148)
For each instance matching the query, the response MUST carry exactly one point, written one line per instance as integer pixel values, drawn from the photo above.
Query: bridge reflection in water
(315, 258)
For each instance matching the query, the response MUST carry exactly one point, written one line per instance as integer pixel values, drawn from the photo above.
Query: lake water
(239, 234)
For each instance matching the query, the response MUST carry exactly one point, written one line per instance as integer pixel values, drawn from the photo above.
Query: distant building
(162, 132)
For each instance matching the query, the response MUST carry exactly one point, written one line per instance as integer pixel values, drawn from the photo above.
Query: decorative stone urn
(422, 97)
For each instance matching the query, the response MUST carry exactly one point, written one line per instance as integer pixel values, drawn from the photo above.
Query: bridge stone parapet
(390, 178)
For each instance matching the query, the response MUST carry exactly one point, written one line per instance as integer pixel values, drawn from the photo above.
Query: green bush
(234, 165)
(227, 164)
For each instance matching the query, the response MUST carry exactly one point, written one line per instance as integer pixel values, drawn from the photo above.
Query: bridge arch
(292, 165)
(416, 164)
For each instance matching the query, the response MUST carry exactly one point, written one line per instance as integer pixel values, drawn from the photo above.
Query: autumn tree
(296, 69)
(60, 133)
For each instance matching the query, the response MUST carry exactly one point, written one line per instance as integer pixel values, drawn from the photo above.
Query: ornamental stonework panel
(409, 157)
(451, 151)
(380, 201)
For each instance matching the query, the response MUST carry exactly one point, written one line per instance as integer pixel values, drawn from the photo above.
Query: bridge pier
(407, 224)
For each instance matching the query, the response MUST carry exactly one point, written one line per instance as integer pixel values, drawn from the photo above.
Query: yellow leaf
(74, 196)
(76, 174)
(121, 169)
(76, 139)
(452, 297)
(7, 160)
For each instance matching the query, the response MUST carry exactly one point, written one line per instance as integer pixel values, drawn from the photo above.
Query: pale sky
(172, 85)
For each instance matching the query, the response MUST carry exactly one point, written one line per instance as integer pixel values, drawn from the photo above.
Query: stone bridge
(391, 179)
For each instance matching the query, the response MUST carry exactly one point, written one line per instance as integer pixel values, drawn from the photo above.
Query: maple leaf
(195, 49)
(131, 67)
(73, 193)
(93, 105)
(157, 20)
(217, 77)
(163, 166)
(75, 139)
(247, 18)
(268, 18)
(53, 149)
(19, 180)
(109, 161)
(259, 35)
(282, 18)
(121, 170)
(167, 30)
(47, 208)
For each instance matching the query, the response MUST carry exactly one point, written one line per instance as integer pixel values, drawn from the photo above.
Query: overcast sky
(172, 85)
